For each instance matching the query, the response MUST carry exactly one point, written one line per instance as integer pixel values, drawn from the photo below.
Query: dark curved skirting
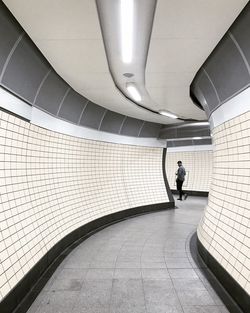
(21, 297)
(237, 293)
(169, 192)
(192, 193)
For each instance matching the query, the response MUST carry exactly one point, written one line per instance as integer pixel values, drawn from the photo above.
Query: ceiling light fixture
(202, 124)
(199, 124)
(134, 93)
(127, 27)
(168, 114)
(121, 21)
(196, 138)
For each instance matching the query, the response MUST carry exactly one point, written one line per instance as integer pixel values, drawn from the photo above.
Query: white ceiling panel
(57, 19)
(184, 34)
(195, 18)
(69, 52)
(173, 97)
(176, 55)
(168, 79)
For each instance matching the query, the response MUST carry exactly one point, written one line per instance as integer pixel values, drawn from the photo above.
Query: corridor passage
(140, 265)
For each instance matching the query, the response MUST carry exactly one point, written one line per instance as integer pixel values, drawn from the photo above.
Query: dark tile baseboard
(192, 193)
(170, 194)
(230, 292)
(21, 297)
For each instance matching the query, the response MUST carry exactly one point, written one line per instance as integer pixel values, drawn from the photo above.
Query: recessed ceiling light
(168, 114)
(127, 29)
(203, 123)
(196, 138)
(134, 92)
(200, 124)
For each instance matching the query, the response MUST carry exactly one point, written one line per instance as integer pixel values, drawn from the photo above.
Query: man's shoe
(179, 199)
(185, 196)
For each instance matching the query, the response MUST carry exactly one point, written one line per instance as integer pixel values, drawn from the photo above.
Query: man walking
(180, 179)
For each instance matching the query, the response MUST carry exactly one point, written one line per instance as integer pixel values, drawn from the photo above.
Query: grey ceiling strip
(215, 90)
(83, 109)
(125, 117)
(187, 138)
(10, 54)
(60, 105)
(102, 119)
(229, 98)
(240, 51)
(176, 126)
(141, 129)
(41, 84)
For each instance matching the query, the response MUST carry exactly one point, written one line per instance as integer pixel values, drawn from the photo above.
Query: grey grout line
(83, 109)
(125, 117)
(41, 84)
(215, 90)
(100, 125)
(63, 98)
(240, 51)
(10, 55)
(112, 287)
(141, 272)
(175, 291)
(140, 129)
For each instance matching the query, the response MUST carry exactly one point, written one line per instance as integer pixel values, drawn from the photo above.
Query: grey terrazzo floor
(140, 265)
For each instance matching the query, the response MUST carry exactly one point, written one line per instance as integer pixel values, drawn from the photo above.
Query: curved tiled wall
(225, 227)
(198, 165)
(52, 183)
(221, 86)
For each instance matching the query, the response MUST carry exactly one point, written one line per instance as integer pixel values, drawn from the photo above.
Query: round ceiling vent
(128, 75)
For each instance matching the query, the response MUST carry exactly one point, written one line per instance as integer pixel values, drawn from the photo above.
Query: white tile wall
(50, 184)
(225, 228)
(198, 166)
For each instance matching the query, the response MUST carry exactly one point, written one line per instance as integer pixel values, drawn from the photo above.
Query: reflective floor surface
(140, 265)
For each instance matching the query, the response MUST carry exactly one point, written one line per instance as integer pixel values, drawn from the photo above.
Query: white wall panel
(198, 166)
(51, 184)
(225, 227)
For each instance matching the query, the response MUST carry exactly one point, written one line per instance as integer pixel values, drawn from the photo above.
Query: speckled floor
(140, 265)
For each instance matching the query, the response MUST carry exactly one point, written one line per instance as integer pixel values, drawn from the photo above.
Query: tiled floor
(141, 265)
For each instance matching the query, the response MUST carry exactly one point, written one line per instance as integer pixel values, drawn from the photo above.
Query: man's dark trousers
(179, 187)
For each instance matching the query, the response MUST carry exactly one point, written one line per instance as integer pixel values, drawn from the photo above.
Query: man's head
(179, 163)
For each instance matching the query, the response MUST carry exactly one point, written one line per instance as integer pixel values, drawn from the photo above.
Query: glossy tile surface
(224, 230)
(52, 184)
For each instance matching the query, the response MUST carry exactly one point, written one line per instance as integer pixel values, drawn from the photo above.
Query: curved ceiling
(184, 34)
